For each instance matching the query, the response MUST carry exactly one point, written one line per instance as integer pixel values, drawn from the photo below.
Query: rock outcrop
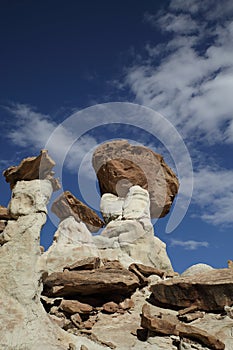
(24, 323)
(102, 282)
(119, 166)
(129, 234)
(209, 291)
(167, 324)
(33, 168)
(68, 205)
(116, 290)
(72, 242)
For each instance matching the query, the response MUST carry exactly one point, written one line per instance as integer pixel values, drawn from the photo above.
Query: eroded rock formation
(209, 291)
(119, 166)
(116, 290)
(32, 168)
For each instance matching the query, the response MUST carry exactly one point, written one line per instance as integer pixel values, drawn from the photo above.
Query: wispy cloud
(213, 192)
(189, 79)
(33, 129)
(189, 245)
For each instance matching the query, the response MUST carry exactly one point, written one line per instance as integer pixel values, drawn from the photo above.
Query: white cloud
(193, 82)
(189, 80)
(33, 129)
(213, 192)
(211, 9)
(189, 245)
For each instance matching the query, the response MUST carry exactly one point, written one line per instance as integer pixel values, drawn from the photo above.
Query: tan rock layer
(147, 270)
(33, 168)
(166, 324)
(209, 291)
(104, 281)
(119, 165)
(85, 264)
(4, 213)
(68, 205)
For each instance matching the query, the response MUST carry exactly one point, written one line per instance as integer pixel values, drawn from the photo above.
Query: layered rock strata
(96, 291)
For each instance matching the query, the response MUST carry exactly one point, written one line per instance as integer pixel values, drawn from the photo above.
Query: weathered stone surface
(30, 197)
(168, 324)
(24, 323)
(76, 319)
(74, 306)
(229, 311)
(209, 291)
(196, 269)
(129, 242)
(148, 270)
(3, 224)
(111, 207)
(72, 242)
(126, 304)
(137, 204)
(4, 213)
(68, 205)
(191, 316)
(110, 307)
(119, 166)
(143, 280)
(85, 264)
(101, 281)
(32, 168)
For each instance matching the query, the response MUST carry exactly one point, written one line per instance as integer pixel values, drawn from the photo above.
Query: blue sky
(175, 57)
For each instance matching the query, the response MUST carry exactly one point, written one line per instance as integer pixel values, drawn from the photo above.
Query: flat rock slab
(68, 205)
(85, 264)
(102, 281)
(167, 324)
(119, 166)
(33, 168)
(209, 291)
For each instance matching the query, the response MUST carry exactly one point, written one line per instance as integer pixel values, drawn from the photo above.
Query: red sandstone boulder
(119, 166)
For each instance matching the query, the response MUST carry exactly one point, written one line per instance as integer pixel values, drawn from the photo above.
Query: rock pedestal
(129, 234)
(24, 324)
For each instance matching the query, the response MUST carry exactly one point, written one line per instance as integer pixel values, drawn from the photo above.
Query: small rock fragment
(68, 205)
(110, 307)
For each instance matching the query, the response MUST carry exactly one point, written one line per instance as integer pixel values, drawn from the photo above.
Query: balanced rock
(209, 291)
(119, 166)
(33, 168)
(129, 242)
(68, 205)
